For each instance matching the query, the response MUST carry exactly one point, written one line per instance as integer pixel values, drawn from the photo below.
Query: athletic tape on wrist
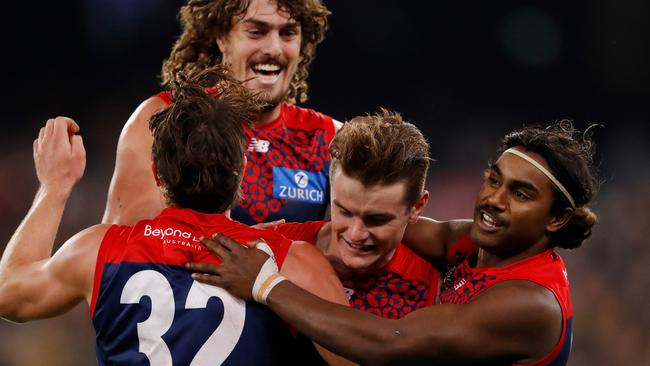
(268, 277)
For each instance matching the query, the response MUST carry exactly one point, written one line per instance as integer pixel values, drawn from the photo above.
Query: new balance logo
(258, 145)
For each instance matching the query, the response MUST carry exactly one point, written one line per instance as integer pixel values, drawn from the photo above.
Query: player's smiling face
(367, 224)
(263, 49)
(512, 212)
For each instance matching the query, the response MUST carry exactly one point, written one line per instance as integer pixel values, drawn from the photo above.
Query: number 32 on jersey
(154, 285)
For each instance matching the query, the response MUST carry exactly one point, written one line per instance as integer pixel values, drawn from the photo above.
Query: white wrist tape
(268, 277)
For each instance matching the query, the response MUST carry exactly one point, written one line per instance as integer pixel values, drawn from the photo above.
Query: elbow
(10, 314)
(14, 318)
(10, 309)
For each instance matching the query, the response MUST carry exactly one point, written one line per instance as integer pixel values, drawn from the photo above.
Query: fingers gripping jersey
(287, 173)
(147, 310)
(405, 284)
(461, 283)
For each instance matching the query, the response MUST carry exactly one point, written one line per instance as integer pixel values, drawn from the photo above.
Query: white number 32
(154, 285)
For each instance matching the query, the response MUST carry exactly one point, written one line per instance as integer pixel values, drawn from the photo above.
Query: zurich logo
(299, 185)
(301, 179)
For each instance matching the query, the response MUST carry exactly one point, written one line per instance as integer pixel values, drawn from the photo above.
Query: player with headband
(505, 295)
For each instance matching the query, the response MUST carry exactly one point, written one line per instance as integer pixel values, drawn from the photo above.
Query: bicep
(53, 286)
(506, 324)
(133, 194)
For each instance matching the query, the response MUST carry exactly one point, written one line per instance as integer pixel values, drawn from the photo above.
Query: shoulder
(305, 253)
(305, 263)
(136, 134)
(307, 118)
(76, 258)
(89, 237)
(84, 244)
(141, 115)
(411, 266)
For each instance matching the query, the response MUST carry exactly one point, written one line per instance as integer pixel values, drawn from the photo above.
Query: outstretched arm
(308, 268)
(133, 194)
(515, 321)
(31, 285)
(430, 238)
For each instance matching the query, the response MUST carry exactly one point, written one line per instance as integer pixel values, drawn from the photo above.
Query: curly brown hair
(203, 21)
(200, 141)
(569, 154)
(382, 149)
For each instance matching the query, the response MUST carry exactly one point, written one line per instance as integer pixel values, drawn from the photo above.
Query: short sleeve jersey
(287, 173)
(146, 308)
(405, 284)
(461, 283)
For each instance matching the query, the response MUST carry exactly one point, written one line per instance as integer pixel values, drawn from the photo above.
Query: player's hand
(271, 225)
(238, 270)
(59, 155)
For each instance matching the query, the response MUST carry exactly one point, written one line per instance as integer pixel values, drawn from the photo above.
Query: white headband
(546, 173)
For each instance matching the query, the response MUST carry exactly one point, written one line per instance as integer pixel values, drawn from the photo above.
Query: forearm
(430, 238)
(353, 334)
(34, 238)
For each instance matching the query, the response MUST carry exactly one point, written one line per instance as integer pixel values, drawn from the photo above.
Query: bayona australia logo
(298, 185)
(172, 236)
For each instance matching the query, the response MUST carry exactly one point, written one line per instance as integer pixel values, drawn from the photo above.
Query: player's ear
(559, 220)
(419, 206)
(222, 43)
(154, 169)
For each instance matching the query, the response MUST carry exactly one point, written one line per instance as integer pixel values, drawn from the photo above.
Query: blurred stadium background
(465, 74)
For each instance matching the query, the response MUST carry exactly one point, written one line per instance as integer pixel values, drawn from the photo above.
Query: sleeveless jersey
(406, 283)
(287, 174)
(147, 310)
(461, 283)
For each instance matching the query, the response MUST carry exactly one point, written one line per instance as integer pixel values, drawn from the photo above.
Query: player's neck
(490, 258)
(323, 237)
(268, 116)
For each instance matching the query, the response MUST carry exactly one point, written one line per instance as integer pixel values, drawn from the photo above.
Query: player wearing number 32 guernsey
(146, 307)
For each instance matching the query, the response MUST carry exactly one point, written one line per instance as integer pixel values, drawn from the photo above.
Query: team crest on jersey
(298, 185)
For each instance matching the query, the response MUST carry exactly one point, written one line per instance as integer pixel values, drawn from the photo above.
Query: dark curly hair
(569, 154)
(203, 21)
(382, 148)
(200, 140)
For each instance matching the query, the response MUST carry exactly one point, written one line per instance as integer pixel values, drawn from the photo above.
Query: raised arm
(133, 194)
(31, 284)
(515, 321)
(430, 238)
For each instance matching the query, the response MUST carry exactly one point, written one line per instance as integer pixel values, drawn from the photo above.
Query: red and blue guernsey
(287, 174)
(461, 283)
(405, 284)
(147, 309)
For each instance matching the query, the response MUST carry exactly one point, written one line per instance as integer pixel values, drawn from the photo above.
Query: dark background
(465, 74)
